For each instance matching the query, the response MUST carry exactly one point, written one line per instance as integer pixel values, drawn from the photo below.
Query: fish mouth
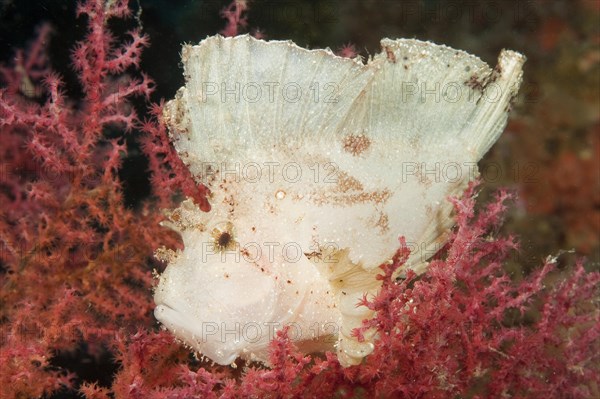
(168, 315)
(180, 324)
(187, 330)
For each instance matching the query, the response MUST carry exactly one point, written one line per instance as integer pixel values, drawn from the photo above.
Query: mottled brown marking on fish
(356, 144)
(390, 55)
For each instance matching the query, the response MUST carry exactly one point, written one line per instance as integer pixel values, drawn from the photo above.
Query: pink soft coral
(235, 15)
(464, 328)
(76, 261)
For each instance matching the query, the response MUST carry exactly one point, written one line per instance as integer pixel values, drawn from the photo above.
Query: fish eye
(224, 239)
(223, 236)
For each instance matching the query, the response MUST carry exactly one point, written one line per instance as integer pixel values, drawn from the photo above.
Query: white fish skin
(316, 164)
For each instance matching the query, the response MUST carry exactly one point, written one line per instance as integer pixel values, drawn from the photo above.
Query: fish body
(316, 165)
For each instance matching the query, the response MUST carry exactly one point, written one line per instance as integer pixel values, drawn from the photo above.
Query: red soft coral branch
(76, 262)
(129, 54)
(235, 14)
(169, 173)
(29, 66)
(447, 332)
